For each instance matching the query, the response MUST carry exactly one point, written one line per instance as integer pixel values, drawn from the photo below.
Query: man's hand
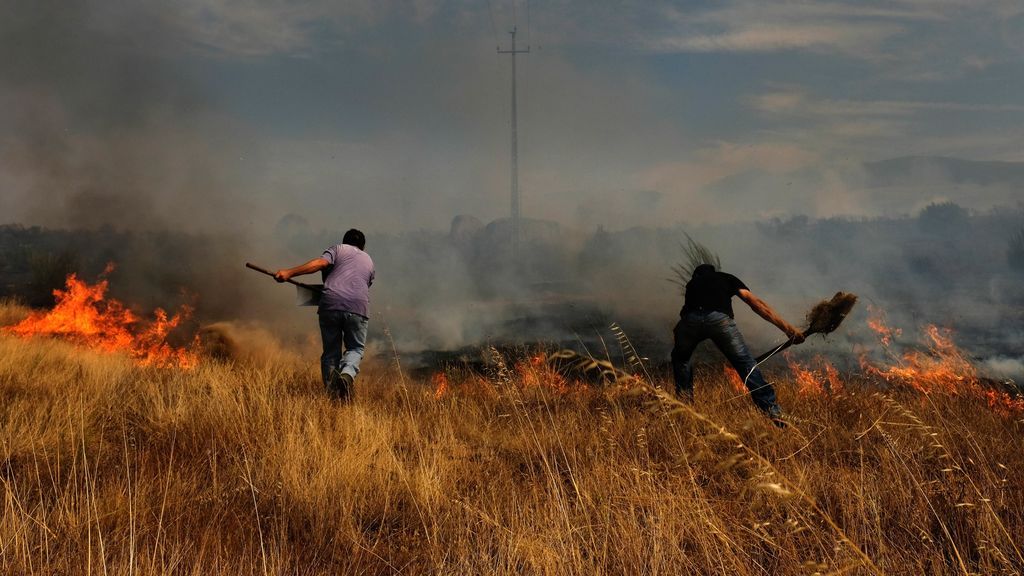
(796, 336)
(282, 276)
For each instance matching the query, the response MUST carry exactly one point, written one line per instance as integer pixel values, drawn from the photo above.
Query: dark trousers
(695, 327)
(339, 328)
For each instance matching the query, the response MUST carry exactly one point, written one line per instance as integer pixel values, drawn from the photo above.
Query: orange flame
(835, 383)
(83, 315)
(537, 372)
(734, 379)
(812, 381)
(440, 382)
(876, 321)
(941, 368)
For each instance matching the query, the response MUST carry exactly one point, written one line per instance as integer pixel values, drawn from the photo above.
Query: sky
(394, 115)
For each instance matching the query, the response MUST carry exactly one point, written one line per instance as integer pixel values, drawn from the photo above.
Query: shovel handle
(778, 349)
(252, 266)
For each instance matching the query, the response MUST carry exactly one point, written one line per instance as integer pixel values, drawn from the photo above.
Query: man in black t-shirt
(707, 314)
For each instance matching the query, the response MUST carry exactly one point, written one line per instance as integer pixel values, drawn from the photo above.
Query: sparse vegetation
(944, 218)
(246, 467)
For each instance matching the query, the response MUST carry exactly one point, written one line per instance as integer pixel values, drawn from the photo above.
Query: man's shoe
(777, 417)
(685, 395)
(345, 386)
(337, 387)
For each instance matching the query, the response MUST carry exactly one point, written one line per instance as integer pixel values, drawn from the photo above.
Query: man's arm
(314, 265)
(765, 311)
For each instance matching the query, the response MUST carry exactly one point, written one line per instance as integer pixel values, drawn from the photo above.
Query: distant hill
(918, 170)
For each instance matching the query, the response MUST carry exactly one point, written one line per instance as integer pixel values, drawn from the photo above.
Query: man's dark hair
(703, 270)
(354, 238)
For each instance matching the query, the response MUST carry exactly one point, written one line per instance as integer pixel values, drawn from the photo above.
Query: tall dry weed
(239, 467)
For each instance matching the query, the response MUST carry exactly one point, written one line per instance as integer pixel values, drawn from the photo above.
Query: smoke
(104, 122)
(116, 125)
(1004, 367)
(108, 134)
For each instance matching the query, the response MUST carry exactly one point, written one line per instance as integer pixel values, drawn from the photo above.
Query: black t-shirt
(711, 292)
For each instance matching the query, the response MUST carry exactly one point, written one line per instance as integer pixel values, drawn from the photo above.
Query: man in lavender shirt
(344, 308)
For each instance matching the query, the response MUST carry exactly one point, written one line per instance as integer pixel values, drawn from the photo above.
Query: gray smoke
(109, 127)
(104, 123)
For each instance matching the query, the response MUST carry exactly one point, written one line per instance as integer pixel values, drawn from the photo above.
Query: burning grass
(111, 466)
(936, 367)
(85, 315)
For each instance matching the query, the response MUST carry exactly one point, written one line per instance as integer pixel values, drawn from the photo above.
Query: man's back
(347, 280)
(709, 290)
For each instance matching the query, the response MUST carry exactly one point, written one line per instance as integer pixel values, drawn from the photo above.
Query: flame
(532, 372)
(940, 367)
(876, 321)
(734, 379)
(84, 315)
(835, 383)
(440, 382)
(807, 381)
(538, 372)
(813, 382)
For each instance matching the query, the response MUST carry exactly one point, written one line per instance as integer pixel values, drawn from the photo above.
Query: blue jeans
(338, 328)
(695, 327)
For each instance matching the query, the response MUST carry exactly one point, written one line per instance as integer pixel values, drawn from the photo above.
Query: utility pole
(515, 147)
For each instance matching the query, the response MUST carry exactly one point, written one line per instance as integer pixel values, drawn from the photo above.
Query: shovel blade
(307, 297)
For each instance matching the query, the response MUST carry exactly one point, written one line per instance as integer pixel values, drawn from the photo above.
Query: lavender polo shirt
(347, 280)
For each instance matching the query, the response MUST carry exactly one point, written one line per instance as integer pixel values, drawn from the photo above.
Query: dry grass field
(246, 467)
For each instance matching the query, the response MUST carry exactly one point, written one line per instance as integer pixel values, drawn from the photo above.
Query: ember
(83, 315)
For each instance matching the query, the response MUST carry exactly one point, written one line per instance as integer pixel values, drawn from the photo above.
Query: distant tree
(793, 227)
(943, 218)
(1015, 254)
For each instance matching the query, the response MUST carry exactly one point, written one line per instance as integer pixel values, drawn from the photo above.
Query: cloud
(251, 28)
(738, 26)
(852, 39)
(842, 126)
(798, 101)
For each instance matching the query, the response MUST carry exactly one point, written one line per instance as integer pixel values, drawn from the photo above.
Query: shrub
(943, 218)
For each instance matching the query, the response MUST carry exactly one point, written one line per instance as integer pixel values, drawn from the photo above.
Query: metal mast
(515, 147)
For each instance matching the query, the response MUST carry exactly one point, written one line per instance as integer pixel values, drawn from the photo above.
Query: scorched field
(135, 463)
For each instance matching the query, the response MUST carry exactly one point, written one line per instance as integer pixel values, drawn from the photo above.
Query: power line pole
(515, 147)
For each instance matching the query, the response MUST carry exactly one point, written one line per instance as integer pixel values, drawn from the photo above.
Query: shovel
(305, 294)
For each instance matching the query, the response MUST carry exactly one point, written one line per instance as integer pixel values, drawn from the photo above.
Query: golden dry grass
(247, 468)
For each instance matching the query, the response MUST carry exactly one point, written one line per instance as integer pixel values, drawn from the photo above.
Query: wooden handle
(252, 266)
(258, 269)
(778, 349)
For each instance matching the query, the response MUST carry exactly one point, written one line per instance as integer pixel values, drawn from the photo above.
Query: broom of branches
(824, 318)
